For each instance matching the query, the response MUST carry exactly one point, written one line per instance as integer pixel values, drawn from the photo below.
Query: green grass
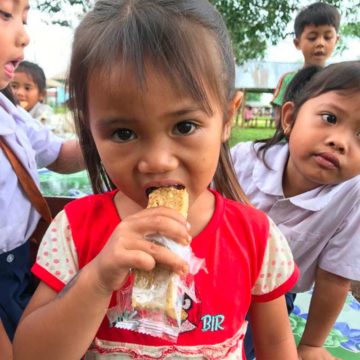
(239, 134)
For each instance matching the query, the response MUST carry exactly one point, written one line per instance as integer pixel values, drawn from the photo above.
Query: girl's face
(26, 90)
(324, 142)
(13, 37)
(154, 136)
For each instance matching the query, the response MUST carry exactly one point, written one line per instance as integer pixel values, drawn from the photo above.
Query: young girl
(29, 87)
(34, 146)
(309, 185)
(152, 86)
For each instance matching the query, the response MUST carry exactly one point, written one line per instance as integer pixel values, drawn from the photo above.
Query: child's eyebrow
(183, 112)
(124, 121)
(334, 107)
(112, 121)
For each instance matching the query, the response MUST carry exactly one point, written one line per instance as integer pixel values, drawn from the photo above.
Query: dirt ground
(355, 288)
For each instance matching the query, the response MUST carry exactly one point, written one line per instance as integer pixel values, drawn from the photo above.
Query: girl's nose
(338, 147)
(338, 143)
(157, 159)
(22, 38)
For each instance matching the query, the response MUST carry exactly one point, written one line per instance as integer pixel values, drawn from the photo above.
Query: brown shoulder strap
(27, 183)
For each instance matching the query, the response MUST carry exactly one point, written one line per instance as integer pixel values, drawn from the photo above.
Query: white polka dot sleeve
(278, 268)
(57, 254)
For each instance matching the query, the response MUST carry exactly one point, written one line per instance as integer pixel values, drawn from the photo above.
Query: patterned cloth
(344, 338)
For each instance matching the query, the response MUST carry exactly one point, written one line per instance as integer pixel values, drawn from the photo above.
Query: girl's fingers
(152, 253)
(128, 247)
(139, 259)
(164, 221)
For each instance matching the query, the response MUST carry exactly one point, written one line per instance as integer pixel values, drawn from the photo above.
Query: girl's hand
(306, 352)
(127, 247)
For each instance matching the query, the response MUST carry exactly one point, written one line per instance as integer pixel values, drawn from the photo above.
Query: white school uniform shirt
(322, 226)
(36, 147)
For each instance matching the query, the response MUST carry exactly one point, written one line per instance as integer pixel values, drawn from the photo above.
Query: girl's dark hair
(311, 82)
(9, 94)
(170, 34)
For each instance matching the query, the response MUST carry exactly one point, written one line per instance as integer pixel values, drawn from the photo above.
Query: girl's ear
(42, 95)
(296, 43)
(287, 120)
(234, 105)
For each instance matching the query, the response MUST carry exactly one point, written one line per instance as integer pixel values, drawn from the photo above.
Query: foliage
(253, 24)
(239, 134)
(64, 12)
(352, 29)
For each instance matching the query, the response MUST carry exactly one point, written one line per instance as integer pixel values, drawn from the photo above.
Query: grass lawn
(239, 134)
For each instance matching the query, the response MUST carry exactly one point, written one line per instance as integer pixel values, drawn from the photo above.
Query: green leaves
(253, 24)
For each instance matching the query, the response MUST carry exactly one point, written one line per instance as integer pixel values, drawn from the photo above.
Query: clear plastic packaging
(151, 302)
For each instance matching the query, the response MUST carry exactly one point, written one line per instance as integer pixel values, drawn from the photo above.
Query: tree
(64, 12)
(253, 24)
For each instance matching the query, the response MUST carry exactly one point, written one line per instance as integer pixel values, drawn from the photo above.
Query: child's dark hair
(36, 73)
(311, 82)
(169, 34)
(9, 94)
(317, 14)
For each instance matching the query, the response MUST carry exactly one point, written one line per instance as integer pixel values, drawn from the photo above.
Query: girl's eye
(123, 135)
(329, 118)
(185, 128)
(5, 15)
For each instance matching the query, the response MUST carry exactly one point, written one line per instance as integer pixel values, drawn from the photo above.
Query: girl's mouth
(327, 161)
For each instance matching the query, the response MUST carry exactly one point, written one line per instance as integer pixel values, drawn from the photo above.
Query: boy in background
(316, 34)
(29, 88)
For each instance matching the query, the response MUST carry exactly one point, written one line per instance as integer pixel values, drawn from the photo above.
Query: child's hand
(127, 247)
(306, 352)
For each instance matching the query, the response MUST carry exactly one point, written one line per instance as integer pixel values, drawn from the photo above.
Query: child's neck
(294, 184)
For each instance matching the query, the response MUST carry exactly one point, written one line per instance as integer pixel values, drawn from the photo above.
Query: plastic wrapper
(151, 302)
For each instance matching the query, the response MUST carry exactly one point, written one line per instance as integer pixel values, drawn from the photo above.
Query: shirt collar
(269, 181)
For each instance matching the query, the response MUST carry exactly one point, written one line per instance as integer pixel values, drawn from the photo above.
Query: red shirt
(233, 245)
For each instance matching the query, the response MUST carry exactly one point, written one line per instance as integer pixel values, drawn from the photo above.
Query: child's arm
(68, 320)
(62, 326)
(273, 338)
(327, 301)
(5, 344)
(70, 158)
